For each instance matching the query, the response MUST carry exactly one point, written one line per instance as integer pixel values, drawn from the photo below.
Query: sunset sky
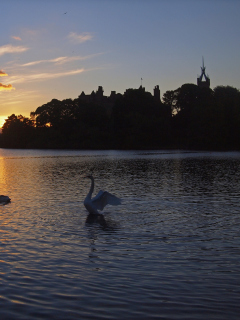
(57, 49)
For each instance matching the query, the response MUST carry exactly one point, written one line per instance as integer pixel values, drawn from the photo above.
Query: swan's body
(100, 200)
(4, 199)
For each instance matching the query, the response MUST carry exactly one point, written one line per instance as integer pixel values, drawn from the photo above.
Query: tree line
(189, 117)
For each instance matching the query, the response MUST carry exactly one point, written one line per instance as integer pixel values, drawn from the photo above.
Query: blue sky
(57, 49)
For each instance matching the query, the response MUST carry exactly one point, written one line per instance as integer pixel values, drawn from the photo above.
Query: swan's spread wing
(103, 198)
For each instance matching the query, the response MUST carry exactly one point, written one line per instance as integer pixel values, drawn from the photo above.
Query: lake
(170, 251)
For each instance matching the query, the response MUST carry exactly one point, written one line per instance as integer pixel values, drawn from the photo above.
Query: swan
(100, 200)
(4, 199)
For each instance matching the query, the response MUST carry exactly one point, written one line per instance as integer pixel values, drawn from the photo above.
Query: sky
(55, 49)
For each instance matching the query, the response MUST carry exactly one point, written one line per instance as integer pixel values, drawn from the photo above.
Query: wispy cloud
(3, 74)
(12, 102)
(80, 38)
(33, 63)
(18, 96)
(60, 60)
(8, 48)
(44, 76)
(6, 87)
(17, 38)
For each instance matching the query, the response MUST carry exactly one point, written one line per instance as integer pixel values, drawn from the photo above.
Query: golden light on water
(3, 175)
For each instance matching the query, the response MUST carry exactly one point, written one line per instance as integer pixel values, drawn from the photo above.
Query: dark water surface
(170, 251)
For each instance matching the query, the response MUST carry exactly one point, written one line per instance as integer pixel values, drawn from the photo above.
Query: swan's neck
(91, 188)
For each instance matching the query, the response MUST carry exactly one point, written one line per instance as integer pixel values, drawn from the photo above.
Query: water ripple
(170, 251)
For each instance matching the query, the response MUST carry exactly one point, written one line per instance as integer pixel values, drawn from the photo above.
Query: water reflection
(5, 176)
(4, 201)
(96, 218)
(106, 224)
(171, 248)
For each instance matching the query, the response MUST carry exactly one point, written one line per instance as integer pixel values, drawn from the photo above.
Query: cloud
(80, 38)
(33, 63)
(44, 76)
(3, 74)
(60, 60)
(17, 38)
(6, 87)
(18, 96)
(8, 48)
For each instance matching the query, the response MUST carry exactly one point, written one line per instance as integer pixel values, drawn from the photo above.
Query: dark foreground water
(170, 251)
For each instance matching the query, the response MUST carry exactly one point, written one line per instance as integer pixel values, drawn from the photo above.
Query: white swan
(4, 199)
(100, 200)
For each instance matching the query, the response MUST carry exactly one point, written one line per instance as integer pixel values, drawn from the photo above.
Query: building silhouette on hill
(156, 93)
(108, 101)
(200, 80)
(99, 98)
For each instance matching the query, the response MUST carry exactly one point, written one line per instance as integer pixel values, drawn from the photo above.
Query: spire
(200, 81)
(203, 68)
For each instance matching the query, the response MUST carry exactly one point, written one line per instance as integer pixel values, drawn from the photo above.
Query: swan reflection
(96, 218)
(94, 221)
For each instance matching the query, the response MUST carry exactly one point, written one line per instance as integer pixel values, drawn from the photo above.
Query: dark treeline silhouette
(189, 117)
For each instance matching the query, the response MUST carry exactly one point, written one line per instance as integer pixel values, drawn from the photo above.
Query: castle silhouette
(108, 101)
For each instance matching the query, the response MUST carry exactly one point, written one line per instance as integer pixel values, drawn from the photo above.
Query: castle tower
(100, 91)
(156, 93)
(203, 83)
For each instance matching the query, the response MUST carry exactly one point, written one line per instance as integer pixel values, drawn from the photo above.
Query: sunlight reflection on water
(170, 251)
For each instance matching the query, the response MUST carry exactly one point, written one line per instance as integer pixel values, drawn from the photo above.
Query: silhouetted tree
(190, 117)
(191, 110)
(74, 124)
(140, 121)
(17, 132)
(170, 100)
(227, 116)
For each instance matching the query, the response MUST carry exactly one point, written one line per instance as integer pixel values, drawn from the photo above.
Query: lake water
(170, 251)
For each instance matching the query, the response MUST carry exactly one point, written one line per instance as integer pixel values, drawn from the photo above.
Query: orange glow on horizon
(2, 120)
